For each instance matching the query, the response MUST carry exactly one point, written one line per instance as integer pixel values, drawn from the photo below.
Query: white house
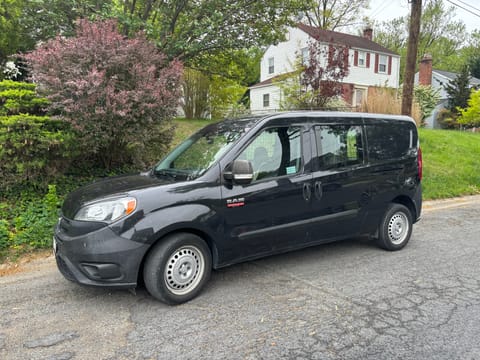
(437, 79)
(370, 65)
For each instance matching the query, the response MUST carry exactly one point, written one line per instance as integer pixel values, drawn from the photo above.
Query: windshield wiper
(166, 173)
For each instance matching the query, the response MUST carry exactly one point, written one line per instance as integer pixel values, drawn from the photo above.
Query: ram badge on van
(243, 189)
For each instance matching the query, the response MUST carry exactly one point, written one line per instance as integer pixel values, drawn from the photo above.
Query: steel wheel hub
(398, 228)
(184, 270)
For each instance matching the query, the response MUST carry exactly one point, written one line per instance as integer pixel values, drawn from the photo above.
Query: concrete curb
(432, 205)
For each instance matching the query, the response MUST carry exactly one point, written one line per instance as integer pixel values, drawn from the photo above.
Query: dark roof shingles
(344, 39)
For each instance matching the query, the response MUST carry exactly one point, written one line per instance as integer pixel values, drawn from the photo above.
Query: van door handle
(307, 192)
(318, 190)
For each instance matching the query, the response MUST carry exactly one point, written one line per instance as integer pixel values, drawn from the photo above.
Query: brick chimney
(368, 33)
(425, 70)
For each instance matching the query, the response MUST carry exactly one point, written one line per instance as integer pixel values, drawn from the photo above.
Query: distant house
(437, 79)
(370, 65)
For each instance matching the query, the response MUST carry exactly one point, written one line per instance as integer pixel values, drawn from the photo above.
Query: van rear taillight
(420, 164)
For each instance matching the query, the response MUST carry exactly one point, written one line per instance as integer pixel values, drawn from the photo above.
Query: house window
(305, 56)
(266, 100)
(362, 58)
(382, 64)
(271, 65)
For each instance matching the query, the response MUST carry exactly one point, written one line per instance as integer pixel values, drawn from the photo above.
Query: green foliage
(470, 116)
(4, 235)
(427, 98)
(447, 119)
(190, 29)
(440, 35)
(225, 94)
(20, 98)
(458, 91)
(451, 164)
(118, 94)
(32, 147)
(214, 96)
(29, 223)
(331, 15)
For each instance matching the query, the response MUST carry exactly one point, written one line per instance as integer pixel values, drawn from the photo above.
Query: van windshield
(197, 154)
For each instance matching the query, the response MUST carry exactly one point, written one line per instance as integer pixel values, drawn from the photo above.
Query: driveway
(348, 300)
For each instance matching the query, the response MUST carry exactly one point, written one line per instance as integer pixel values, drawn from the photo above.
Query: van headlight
(107, 211)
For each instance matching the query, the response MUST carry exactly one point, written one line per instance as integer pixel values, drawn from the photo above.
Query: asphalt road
(348, 300)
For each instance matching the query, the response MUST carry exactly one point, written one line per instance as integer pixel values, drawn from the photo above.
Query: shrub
(4, 235)
(33, 228)
(20, 98)
(118, 94)
(32, 148)
(470, 116)
(427, 98)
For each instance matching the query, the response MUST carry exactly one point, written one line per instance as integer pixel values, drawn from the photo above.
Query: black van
(243, 189)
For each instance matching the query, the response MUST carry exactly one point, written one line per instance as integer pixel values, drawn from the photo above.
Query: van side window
(338, 146)
(387, 141)
(275, 152)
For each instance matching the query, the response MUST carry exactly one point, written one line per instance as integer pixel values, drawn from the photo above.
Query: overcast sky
(382, 10)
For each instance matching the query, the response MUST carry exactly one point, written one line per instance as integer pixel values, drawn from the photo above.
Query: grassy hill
(451, 159)
(451, 163)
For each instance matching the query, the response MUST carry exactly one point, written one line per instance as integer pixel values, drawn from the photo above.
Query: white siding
(256, 99)
(285, 55)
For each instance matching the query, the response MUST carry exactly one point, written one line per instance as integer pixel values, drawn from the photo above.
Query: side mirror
(241, 172)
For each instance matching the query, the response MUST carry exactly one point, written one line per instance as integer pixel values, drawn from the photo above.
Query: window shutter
(331, 53)
(368, 60)
(389, 65)
(376, 63)
(355, 58)
(345, 56)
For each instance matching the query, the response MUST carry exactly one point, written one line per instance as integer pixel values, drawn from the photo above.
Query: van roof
(253, 119)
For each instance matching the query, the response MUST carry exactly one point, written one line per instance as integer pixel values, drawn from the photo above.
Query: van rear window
(388, 141)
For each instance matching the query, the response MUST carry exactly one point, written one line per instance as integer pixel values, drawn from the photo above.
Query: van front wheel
(396, 228)
(177, 268)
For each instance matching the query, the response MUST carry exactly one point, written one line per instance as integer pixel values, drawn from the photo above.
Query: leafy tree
(475, 67)
(332, 14)
(195, 94)
(471, 52)
(427, 98)
(10, 34)
(187, 29)
(315, 83)
(209, 96)
(440, 35)
(470, 116)
(24, 23)
(458, 91)
(118, 94)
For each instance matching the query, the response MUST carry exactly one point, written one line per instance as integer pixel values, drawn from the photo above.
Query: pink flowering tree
(119, 94)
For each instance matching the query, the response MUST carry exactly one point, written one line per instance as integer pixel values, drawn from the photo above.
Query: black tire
(177, 268)
(396, 228)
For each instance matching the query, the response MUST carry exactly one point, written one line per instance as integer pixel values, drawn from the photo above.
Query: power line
(467, 4)
(380, 8)
(464, 8)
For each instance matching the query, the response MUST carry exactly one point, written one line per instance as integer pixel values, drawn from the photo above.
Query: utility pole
(412, 49)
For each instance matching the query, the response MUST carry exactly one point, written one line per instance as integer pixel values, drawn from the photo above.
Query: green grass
(184, 128)
(451, 163)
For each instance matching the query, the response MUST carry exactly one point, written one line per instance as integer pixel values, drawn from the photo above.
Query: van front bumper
(100, 258)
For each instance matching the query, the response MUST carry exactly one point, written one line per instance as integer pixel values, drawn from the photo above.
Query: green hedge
(32, 148)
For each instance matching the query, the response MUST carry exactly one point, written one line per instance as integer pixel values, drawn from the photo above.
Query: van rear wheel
(396, 228)
(177, 268)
